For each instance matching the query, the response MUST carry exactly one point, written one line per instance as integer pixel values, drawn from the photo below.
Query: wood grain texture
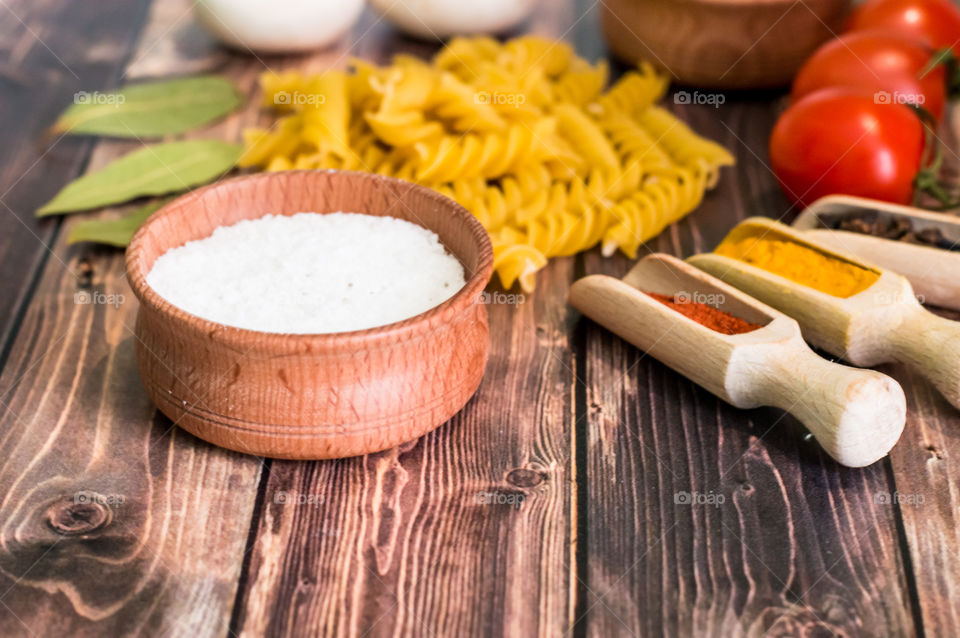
(925, 467)
(515, 518)
(797, 544)
(107, 510)
(926, 495)
(48, 51)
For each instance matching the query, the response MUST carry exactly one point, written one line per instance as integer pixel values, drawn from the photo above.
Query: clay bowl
(311, 396)
(727, 44)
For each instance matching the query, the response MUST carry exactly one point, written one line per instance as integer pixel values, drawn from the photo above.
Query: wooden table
(589, 440)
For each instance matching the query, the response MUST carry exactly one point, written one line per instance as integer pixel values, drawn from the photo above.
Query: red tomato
(842, 141)
(934, 21)
(886, 64)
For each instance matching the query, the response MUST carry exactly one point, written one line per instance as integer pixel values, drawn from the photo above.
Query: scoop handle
(856, 415)
(931, 345)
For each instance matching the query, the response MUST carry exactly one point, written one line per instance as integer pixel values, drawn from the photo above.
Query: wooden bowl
(311, 396)
(728, 44)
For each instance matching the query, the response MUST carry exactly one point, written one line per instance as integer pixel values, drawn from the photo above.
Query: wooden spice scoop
(856, 415)
(933, 272)
(881, 324)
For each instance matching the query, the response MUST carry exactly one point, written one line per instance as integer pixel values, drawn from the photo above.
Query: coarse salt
(309, 273)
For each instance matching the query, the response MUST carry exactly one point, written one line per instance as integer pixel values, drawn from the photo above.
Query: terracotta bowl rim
(242, 338)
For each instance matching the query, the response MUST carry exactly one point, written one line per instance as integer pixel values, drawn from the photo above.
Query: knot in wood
(937, 454)
(84, 273)
(73, 516)
(522, 477)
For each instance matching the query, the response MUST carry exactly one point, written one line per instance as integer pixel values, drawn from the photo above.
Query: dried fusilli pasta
(521, 133)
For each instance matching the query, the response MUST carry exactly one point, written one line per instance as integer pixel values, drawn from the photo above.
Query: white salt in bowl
(311, 396)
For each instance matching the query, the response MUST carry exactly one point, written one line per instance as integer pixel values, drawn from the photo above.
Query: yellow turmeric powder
(798, 263)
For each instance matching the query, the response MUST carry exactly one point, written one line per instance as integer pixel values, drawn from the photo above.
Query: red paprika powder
(708, 316)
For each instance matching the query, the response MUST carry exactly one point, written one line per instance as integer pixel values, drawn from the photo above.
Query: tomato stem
(948, 59)
(927, 179)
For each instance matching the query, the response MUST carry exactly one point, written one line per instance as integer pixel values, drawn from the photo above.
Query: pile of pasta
(521, 133)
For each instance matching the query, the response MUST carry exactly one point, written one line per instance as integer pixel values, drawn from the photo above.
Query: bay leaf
(114, 232)
(150, 109)
(153, 170)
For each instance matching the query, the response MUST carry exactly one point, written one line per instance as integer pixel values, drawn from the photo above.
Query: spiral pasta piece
(683, 145)
(581, 86)
(517, 262)
(462, 108)
(633, 92)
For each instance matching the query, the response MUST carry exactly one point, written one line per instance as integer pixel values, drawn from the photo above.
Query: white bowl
(443, 18)
(278, 26)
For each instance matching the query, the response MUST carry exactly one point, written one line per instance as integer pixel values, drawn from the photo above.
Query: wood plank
(400, 543)
(160, 551)
(926, 495)
(464, 532)
(797, 543)
(407, 542)
(50, 50)
(925, 467)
